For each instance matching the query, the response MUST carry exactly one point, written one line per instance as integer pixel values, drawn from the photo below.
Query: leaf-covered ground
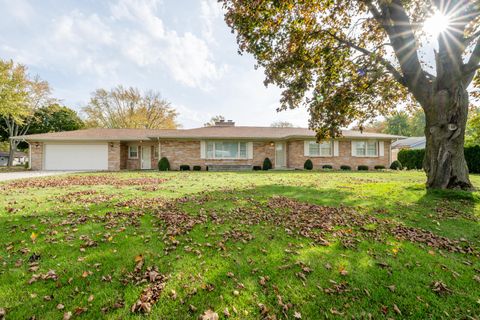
(262, 245)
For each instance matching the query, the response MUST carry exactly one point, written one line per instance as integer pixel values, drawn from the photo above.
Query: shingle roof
(224, 132)
(409, 142)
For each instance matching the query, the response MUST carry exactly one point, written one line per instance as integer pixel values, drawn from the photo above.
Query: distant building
(408, 143)
(19, 158)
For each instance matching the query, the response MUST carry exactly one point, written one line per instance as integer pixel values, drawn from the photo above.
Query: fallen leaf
(33, 237)
(397, 310)
(67, 315)
(209, 315)
(297, 315)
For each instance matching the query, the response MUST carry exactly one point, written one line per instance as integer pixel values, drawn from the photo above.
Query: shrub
(362, 168)
(267, 164)
(345, 168)
(184, 167)
(308, 165)
(327, 166)
(396, 165)
(163, 164)
(197, 168)
(472, 155)
(26, 165)
(411, 158)
(257, 168)
(379, 167)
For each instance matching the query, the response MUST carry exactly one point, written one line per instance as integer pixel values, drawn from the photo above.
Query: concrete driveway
(4, 176)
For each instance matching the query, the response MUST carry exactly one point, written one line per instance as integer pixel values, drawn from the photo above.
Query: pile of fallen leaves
(151, 293)
(85, 197)
(431, 239)
(81, 180)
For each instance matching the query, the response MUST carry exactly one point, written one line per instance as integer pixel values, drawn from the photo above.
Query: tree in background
(129, 108)
(214, 119)
(398, 124)
(55, 118)
(472, 135)
(417, 123)
(20, 98)
(355, 60)
(281, 124)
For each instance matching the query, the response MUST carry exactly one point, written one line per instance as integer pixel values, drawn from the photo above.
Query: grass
(223, 244)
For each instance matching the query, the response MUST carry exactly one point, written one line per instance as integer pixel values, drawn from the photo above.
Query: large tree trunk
(446, 120)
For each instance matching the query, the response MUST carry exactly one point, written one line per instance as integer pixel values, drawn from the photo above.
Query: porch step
(229, 167)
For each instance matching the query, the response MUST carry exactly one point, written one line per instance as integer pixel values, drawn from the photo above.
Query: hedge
(413, 159)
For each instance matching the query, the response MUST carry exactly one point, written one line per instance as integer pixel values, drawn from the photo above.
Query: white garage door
(76, 156)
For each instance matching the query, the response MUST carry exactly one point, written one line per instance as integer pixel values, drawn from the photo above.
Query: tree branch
(364, 51)
(470, 68)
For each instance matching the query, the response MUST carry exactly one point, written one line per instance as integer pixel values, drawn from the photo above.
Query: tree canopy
(129, 108)
(214, 119)
(355, 60)
(55, 118)
(281, 124)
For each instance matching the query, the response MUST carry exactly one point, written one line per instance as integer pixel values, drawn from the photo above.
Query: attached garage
(78, 156)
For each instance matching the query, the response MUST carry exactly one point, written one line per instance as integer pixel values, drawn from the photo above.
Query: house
(19, 158)
(219, 145)
(408, 143)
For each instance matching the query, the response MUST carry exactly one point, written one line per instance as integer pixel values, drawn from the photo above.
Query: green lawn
(262, 245)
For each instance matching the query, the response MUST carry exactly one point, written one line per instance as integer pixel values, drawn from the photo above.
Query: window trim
(377, 147)
(129, 152)
(156, 151)
(238, 142)
(330, 142)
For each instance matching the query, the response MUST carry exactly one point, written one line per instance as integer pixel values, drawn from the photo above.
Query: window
(156, 152)
(133, 152)
(226, 150)
(323, 149)
(366, 148)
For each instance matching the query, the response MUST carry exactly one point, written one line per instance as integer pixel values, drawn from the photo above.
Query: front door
(280, 155)
(146, 157)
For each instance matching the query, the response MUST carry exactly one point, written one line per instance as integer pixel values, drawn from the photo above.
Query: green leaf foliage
(267, 164)
(413, 159)
(308, 165)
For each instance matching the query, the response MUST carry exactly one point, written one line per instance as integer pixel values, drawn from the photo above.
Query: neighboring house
(220, 145)
(408, 143)
(19, 158)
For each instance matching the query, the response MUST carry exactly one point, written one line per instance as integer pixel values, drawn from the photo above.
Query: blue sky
(181, 48)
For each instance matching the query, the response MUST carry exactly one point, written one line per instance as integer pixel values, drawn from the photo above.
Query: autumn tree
(20, 97)
(129, 108)
(281, 124)
(355, 60)
(473, 128)
(214, 119)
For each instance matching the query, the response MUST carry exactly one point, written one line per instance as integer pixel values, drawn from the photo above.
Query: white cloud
(186, 57)
(21, 10)
(210, 11)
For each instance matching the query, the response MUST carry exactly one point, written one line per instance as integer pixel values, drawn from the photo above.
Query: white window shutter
(250, 150)
(381, 149)
(306, 148)
(336, 148)
(354, 149)
(202, 149)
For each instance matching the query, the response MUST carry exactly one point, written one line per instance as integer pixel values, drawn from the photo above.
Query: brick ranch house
(223, 144)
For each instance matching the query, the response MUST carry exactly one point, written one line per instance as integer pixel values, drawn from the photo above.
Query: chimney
(223, 123)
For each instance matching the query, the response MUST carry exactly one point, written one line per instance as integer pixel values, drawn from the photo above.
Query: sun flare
(436, 24)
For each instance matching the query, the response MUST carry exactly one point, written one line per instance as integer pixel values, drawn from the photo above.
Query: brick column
(114, 156)
(36, 154)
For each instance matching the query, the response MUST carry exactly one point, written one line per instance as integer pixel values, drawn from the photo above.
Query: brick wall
(188, 152)
(296, 157)
(36, 161)
(114, 156)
